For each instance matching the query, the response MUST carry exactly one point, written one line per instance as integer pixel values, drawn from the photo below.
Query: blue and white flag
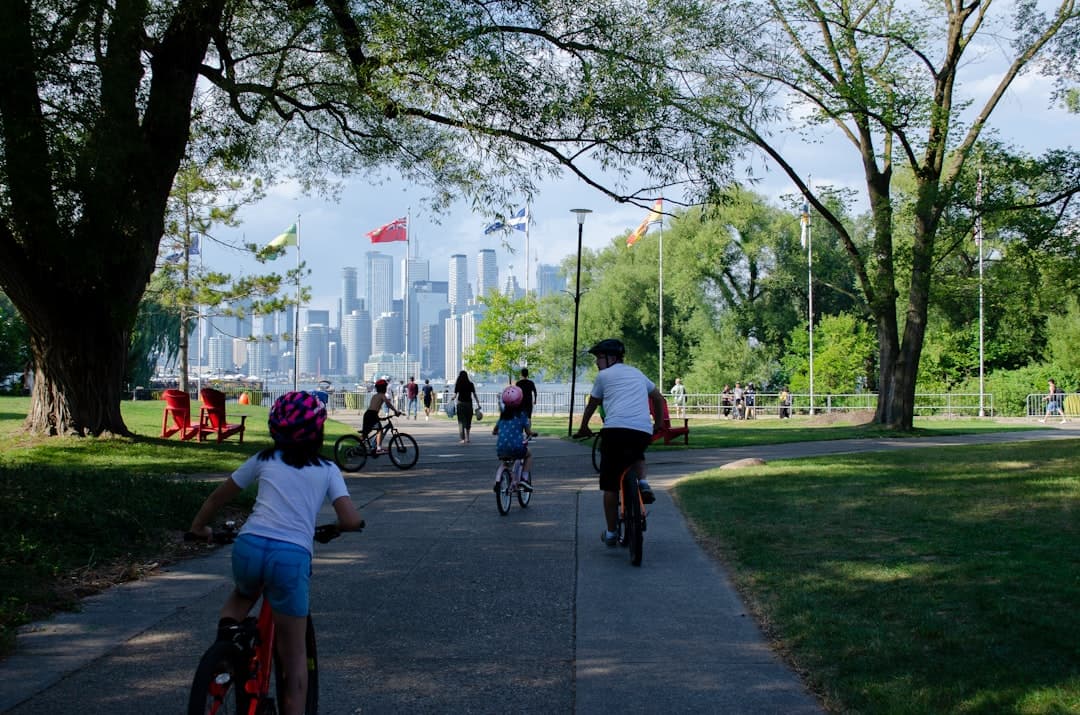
(519, 221)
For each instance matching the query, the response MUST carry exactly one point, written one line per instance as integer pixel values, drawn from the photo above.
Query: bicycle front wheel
(635, 527)
(350, 453)
(403, 450)
(311, 706)
(524, 495)
(504, 494)
(218, 686)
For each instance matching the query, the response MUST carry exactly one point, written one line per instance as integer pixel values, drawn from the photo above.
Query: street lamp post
(577, 302)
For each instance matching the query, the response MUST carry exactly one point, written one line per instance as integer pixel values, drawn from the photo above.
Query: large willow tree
(100, 99)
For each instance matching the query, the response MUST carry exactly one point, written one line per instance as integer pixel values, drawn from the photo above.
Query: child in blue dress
(512, 429)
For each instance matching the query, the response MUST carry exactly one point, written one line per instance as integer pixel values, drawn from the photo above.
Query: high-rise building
(549, 280)
(314, 357)
(487, 272)
(388, 334)
(512, 290)
(380, 283)
(356, 337)
(318, 317)
(220, 354)
(460, 296)
(350, 301)
(426, 302)
(417, 269)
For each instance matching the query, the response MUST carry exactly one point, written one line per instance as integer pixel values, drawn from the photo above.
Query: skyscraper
(380, 283)
(356, 336)
(549, 280)
(459, 283)
(428, 300)
(419, 269)
(487, 272)
(349, 299)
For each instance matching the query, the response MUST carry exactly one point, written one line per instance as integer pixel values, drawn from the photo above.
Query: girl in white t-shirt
(272, 553)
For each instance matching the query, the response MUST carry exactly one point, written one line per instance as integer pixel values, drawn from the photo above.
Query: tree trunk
(77, 380)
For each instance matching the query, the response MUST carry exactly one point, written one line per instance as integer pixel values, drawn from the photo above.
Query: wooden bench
(668, 433)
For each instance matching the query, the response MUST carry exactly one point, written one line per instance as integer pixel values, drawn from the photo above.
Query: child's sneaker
(647, 495)
(611, 539)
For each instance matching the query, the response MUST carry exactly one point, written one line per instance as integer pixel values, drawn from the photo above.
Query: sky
(332, 233)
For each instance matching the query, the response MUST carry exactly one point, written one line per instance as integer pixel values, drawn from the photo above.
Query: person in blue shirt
(512, 429)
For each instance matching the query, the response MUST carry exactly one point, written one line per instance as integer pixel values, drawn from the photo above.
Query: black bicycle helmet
(608, 346)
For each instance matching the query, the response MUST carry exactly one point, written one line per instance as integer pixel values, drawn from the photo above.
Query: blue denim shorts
(279, 570)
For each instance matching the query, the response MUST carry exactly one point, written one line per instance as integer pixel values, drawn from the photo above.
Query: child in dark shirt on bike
(512, 429)
(371, 416)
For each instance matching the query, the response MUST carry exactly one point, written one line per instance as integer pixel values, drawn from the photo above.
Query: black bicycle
(351, 451)
(632, 519)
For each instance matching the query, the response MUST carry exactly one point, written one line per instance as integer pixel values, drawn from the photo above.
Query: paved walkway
(443, 606)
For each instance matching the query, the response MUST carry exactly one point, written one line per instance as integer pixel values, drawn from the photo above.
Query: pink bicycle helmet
(511, 396)
(297, 418)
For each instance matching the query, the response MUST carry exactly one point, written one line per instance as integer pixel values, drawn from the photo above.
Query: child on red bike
(272, 553)
(512, 429)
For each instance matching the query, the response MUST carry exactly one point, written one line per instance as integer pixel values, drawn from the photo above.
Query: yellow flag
(654, 215)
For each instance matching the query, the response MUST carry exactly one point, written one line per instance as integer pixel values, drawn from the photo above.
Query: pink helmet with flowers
(297, 418)
(511, 396)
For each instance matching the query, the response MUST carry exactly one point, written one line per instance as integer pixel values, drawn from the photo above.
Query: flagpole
(810, 289)
(408, 231)
(528, 215)
(296, 319)
(979, 242)
(661, 262)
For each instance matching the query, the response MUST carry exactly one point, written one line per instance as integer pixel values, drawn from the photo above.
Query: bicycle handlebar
(324, 533)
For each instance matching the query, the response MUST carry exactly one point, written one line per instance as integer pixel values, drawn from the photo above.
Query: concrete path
(443, 606)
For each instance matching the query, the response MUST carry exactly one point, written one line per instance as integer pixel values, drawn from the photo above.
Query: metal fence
(1066, 406)
(699, 405)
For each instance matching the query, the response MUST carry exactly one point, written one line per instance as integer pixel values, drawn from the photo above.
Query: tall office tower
(419, 269)
(469, 323)
(314, 357)
(244, 320)
(549, 280)
(239, 355)
(512, 290)
(459, 283)
(380, 283)
(388, 334)
(356, 336)
(452, 346)
(318, 317)
(487, 272)
(219, 349)
(427, 300)
(350, 301)
(433, 350)
(258, 358)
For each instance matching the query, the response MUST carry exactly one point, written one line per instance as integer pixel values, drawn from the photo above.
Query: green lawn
(929, 581)
(70, 507)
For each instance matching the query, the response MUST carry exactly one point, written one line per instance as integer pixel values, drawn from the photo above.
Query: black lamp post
(577, 302)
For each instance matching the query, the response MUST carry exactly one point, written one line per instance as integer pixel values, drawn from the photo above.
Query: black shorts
(619, 448)
(371, 421)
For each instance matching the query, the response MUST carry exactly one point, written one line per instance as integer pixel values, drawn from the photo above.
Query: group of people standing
(739, 402)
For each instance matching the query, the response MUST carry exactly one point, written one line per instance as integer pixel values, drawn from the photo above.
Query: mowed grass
(712, 433)
(922, 581)
(72, 507)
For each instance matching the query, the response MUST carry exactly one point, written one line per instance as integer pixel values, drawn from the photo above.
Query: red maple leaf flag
(396, 230)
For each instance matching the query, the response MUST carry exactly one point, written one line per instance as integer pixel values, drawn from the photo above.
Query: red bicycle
(234, 675)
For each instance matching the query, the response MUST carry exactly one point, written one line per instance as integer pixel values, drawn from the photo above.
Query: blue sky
(332, 233)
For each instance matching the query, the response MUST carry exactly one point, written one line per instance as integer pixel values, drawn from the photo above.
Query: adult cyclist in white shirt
(625, 392)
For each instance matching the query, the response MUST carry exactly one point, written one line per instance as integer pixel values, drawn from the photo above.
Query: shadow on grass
(930, 581)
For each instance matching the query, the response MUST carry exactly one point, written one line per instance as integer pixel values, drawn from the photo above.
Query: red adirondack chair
(669, 433)
(212, 416)
(176, 419)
